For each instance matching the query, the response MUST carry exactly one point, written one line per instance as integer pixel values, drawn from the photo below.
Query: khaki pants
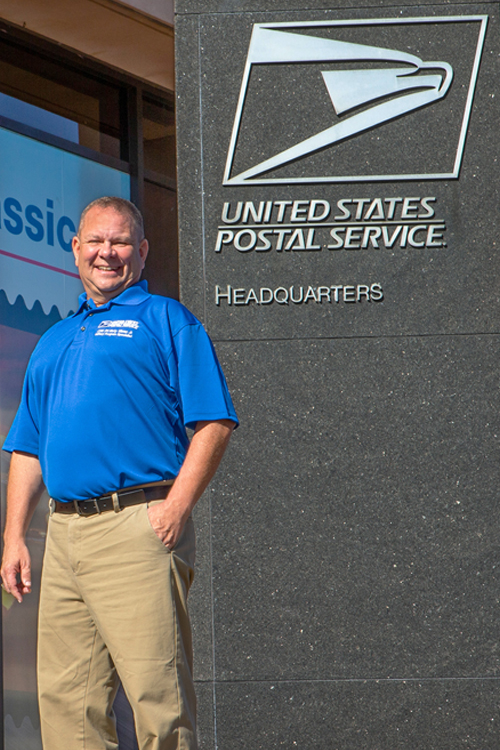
(113, 606)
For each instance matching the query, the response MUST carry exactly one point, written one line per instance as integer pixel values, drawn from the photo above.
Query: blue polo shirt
(110, 390)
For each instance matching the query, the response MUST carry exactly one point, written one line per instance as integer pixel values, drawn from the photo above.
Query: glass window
(158, 128)
(38, 118)
(84, 110)
(160, 226)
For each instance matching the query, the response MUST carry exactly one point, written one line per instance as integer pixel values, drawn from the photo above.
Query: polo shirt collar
(133, 295)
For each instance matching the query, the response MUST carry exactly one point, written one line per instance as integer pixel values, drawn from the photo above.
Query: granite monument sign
(338, 195)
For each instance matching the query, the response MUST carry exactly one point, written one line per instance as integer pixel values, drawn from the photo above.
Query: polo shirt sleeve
(24, 433)
(201, 385)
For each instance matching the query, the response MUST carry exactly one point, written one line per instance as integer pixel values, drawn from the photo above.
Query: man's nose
(106, 249)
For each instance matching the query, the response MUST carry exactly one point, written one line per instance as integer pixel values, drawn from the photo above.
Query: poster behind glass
(42, 193)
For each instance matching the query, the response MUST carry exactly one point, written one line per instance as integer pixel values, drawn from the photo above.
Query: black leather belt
(113, 500)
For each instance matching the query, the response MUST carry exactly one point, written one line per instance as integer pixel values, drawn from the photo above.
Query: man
(107, 398)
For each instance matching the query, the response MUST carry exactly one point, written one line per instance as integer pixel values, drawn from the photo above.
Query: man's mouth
(107, 268)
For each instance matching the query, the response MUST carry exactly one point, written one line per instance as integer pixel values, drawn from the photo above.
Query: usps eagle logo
(370, 91)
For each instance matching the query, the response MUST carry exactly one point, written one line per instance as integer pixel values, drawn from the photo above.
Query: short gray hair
(122, 206)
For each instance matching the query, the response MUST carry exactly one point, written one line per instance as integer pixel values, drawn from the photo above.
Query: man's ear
(143, 251)
(75, 246)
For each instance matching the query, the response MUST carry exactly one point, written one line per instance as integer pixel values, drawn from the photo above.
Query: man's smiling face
(108, 253)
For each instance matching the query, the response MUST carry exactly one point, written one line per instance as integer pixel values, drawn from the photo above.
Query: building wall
(347, 586)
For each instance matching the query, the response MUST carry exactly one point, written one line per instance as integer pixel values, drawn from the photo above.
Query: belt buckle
(115, 497)
(77, 507)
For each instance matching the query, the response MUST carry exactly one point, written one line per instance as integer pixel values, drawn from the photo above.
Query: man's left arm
(207, 447)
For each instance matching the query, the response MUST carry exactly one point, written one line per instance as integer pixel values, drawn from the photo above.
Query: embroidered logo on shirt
(122, 328)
